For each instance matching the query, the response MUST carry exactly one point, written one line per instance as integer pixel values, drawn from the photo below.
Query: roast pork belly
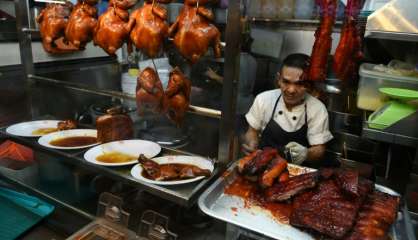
(114, 126)
(194, 33)
(375, 217)
(327, 210)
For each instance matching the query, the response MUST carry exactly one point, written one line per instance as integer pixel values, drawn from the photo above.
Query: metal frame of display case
(185, 195)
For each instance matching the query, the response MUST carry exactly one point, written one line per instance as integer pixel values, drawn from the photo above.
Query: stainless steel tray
(232, 209)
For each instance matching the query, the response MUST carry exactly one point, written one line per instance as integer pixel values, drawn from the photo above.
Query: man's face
(293, 88)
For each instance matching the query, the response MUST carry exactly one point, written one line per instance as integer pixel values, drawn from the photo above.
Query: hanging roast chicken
(149, 92)
(52, 21)
(177, 96)
(149, 28)
(81, 24)
(193, 31)
(112, 27)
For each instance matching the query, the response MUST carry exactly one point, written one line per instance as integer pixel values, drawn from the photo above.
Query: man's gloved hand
(299, 153)
(249, 146)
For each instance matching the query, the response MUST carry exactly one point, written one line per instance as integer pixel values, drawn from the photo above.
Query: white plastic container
(369, 97)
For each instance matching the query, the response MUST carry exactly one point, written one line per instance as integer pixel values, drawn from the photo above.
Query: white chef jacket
(261, 111)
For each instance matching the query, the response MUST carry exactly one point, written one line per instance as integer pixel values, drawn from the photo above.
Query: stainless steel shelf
(184, 195)
(202, 111)
(298, 24)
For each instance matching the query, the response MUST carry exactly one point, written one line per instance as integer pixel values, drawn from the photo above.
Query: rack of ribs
(375, 217)
(285, 190)
(328, 211)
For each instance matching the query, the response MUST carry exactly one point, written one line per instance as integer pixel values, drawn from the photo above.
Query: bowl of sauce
(70, 139)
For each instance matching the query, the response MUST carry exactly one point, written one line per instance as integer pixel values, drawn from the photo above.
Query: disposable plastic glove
(298, 152)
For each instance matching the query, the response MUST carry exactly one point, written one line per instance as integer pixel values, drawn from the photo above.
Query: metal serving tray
(232, 209)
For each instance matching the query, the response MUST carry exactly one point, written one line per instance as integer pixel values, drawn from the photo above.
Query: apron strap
(275, 106)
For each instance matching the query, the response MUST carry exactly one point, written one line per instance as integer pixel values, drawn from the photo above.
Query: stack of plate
(129, 81)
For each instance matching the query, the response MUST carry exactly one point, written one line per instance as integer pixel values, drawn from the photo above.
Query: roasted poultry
(167, 172)
(112, 27)
(348, 53)
(319, 57)
(114, 126)
(193, 32)
(52, 21)
(81, 24)
(177, 96)
(67, 125)
(149, 92)
(149, 28)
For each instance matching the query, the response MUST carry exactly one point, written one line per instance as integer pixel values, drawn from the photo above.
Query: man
(289, 117)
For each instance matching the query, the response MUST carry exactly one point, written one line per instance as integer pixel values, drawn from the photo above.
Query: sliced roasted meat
(150, 167)
(190, 171)
(286, 190)
(67, 125)
(273, 171)
(375, 217)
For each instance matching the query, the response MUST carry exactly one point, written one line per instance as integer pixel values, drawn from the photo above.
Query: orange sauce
(253, 195)
(74, 141)
(43, 131)
(115, 157)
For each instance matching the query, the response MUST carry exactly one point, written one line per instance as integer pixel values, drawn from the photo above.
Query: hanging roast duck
(177, 96)
(149, 92)
(52, 21)
(193, 31)
(148, 27)
(112, 27)
(81, 24)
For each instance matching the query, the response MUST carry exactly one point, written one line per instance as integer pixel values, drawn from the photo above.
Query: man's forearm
(316, 152)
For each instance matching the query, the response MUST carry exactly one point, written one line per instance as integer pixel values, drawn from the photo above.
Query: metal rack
(183, 195)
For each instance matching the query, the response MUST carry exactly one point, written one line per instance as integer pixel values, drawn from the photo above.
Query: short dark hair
(296, 60)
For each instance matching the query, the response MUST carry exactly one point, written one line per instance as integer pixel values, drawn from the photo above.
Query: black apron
(275, 136)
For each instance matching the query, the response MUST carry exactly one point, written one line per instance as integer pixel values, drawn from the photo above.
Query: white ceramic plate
(25, 129)
(46, 139)
(203, 163)
(130, 147)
